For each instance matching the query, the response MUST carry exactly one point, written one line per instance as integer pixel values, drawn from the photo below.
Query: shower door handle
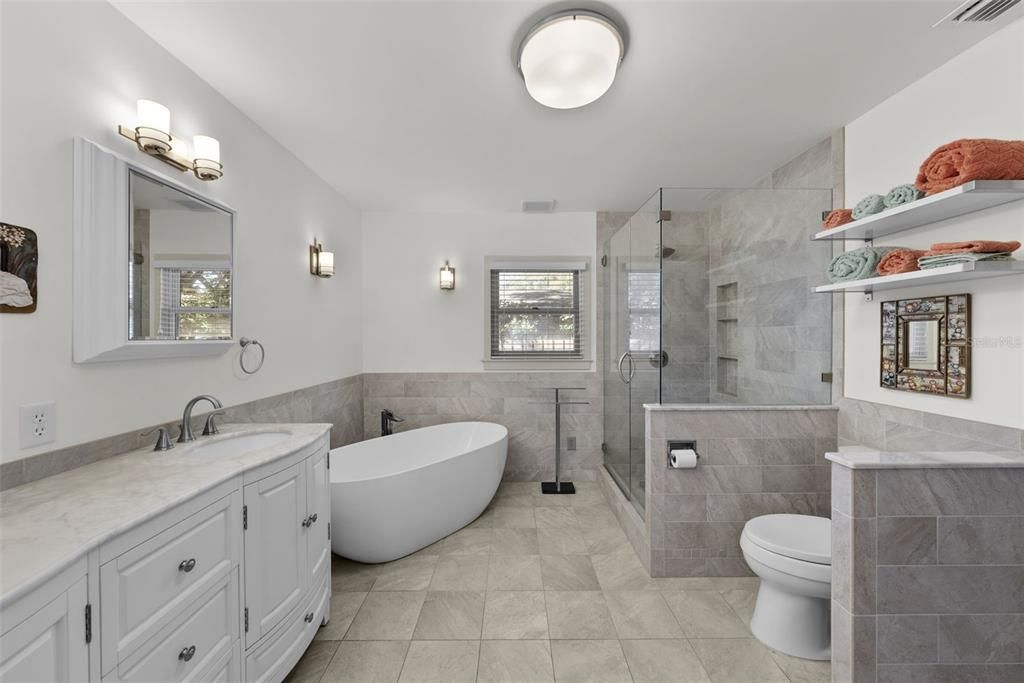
(632, 367)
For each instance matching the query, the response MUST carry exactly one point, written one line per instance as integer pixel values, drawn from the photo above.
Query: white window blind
(537, 311)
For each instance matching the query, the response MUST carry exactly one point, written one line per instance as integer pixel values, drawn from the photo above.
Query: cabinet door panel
(49, 646)
(276, 557)
(318, 503)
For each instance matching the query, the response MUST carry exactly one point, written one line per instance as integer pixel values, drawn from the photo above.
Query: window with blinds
(195, 303)
(537, 312)
(643, 298)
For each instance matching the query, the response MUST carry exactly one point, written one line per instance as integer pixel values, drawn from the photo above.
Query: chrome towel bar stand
(559, 486)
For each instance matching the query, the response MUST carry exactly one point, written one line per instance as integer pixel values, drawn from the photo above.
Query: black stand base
(552, 487)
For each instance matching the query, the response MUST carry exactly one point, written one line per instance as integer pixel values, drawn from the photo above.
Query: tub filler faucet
(387, 422)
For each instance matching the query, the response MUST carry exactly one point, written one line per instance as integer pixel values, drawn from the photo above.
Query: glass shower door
(632, 334)
(615, 262)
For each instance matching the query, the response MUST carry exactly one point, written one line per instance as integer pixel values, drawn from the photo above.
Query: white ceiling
(417, 105)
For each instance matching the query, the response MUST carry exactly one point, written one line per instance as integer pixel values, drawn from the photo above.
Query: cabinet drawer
(148, 585)
(209, 625)
(279, 653)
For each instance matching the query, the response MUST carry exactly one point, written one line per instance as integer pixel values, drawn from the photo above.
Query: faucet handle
(163, 441)
(211, 425)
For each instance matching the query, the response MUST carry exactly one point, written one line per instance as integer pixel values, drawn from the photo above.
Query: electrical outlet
(37, 424)
(570, 443)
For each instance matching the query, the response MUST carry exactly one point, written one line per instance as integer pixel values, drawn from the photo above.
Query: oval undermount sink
(240, 444)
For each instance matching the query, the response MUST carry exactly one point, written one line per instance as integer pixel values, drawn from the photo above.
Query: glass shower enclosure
(707, 299)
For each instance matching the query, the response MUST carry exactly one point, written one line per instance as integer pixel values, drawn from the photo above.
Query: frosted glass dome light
(570, 59)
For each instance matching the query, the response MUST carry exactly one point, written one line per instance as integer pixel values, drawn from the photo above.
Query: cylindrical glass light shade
(153, 127)
(205, 147)
(326, 263)
(570, 60)
(447, 276)
(206, 158)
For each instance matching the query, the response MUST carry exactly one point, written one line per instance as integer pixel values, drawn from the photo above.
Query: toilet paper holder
(678, 446)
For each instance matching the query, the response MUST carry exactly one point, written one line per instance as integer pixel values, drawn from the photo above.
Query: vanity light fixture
(321, 263)
(152, 135)
(570, 58)
(447, 277)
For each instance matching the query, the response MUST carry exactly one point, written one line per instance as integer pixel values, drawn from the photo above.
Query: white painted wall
(980, 93)
(409, 324)
(76, 69)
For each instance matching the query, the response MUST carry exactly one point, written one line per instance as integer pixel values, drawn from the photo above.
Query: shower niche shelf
(972, 196)
(931, 276)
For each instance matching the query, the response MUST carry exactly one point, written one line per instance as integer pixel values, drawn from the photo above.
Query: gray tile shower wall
(516, 400)
(339, 402)
(889, 428)
(753, 461)
(940, 599)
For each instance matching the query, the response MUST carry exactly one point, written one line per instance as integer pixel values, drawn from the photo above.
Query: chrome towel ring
(245, 343)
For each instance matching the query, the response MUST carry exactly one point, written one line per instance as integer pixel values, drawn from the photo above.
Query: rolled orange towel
(899, 261)
(836, 218)
(961, 161)
(974, 246)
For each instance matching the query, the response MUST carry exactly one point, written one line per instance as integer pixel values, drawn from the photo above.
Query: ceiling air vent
(538, 205)
(979, 10)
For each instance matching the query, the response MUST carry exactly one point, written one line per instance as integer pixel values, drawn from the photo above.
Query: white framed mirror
(153, 263)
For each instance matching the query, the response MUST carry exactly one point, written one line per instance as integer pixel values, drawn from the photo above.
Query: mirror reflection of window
(180, 284)
(923, 344)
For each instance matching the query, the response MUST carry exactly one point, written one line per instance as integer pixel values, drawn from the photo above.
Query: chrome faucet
(186, 419)
(387, 422)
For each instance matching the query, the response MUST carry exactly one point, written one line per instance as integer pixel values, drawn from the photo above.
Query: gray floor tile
(366, 662)
(589, 661)
(452, 661)
(663, 661)
(515, 661)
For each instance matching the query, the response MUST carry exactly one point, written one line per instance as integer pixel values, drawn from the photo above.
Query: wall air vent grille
(979, 10)
(538, 205)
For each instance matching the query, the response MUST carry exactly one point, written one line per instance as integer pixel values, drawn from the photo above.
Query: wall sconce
(321, 263)
(447, 277)
(152, 135)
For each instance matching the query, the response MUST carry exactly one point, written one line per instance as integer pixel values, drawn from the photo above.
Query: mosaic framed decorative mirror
(926, 345)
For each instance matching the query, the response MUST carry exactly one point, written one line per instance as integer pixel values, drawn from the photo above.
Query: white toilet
(792, 554)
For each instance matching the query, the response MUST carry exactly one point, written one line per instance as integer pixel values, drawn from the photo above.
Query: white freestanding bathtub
(393, 495)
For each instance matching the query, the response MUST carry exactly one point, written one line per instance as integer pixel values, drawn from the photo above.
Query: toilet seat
(800, 537)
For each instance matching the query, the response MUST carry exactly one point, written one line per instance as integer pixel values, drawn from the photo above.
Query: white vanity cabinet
(48, 646)
(287, 564)
(228, 584)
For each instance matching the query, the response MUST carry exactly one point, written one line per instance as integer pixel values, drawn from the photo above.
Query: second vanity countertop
(48, 524)
(866, 459)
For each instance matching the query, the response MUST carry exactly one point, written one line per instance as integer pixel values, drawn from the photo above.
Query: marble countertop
(48, 524)
(858, 458)
(724, 407)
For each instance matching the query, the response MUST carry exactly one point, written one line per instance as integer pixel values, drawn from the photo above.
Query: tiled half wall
(753, 461)
(928, 575)
(520, 401)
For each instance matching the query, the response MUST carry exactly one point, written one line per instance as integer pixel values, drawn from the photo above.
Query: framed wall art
(19, 262)
(926, 345)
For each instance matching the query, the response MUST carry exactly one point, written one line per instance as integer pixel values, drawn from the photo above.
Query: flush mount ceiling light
(570, 58)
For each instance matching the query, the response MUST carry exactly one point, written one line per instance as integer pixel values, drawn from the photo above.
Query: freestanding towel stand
(559, 486)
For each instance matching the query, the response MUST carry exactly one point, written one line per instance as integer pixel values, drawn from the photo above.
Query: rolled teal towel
(902, 194)
(871, 204)
(857, 264)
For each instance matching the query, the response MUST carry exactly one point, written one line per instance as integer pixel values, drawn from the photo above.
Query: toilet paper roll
(685, 459)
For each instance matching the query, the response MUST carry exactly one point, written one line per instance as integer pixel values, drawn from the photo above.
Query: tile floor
(539, 588)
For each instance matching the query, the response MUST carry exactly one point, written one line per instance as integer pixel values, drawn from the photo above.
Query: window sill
(528, 364)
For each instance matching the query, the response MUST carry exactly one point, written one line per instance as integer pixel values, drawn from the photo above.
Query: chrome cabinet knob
(306, 523)
(312, 518)
(309, 617)
(187, 653)
(187, 565)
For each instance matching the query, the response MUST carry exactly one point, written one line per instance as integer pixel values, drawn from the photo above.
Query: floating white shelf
(929, 276)
(972, 196)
